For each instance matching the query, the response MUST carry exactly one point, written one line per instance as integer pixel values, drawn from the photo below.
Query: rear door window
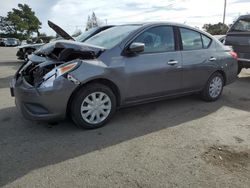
(191, 40)
(206, 41)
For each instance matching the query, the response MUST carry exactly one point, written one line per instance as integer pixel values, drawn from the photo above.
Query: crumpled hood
(50, 57)
(77, 46)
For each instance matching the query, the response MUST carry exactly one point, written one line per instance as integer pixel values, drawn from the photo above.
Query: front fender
(91, 70)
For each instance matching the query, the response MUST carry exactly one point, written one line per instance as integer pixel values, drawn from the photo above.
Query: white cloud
(72, 14)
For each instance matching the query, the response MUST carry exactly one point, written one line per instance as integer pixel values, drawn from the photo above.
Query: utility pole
(224, 14)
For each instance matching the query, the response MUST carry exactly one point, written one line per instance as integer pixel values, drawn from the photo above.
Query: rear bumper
(43, 104)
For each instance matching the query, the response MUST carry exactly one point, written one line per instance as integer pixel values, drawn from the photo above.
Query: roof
(156, 23)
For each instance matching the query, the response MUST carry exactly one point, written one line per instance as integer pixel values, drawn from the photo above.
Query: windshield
(82, 37)
(111, 37)
(242, 25)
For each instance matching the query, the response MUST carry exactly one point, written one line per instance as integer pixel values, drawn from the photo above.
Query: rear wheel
(93, 106)
(213, 88)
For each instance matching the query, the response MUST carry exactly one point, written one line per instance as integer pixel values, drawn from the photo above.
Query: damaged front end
(43, 74)
(42, 87)
(54, 60)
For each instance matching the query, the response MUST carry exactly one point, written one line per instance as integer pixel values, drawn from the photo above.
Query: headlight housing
(50, 77)
(66, 68)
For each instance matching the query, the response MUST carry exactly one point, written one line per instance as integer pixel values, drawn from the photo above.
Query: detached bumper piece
(12, 84)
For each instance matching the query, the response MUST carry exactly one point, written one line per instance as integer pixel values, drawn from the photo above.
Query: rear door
(197, 57)
(239, 37)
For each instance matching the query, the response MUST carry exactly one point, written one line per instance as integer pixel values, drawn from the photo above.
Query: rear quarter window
(206, 41)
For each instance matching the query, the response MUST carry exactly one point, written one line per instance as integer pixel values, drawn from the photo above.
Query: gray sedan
(121, 66)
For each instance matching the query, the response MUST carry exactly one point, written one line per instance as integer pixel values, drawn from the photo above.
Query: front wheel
(93, 106)
(213, 87)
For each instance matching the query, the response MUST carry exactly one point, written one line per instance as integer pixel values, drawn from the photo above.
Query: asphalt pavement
(183, 142)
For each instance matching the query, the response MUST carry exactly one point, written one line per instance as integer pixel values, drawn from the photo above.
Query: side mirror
(136, 47)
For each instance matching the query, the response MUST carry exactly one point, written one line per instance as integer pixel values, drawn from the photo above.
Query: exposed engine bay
(54, 58)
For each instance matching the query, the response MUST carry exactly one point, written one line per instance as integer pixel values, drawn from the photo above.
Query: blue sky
(72, 14)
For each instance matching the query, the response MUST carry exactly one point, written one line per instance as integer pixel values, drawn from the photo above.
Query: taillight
(234, 55)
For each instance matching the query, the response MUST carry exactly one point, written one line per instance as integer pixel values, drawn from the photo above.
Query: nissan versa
(121, 66)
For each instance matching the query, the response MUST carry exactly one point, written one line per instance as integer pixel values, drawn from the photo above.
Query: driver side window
(157, 39)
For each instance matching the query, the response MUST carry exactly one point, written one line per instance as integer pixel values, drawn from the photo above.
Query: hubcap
(215, 87)
(96, 107)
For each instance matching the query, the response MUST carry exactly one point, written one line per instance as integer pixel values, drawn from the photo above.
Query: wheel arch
(103, 81)
(223, 75)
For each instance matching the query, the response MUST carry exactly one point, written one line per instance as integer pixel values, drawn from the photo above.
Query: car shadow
(27, 146)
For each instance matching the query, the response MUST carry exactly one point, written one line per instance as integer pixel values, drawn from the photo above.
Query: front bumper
(43, 104)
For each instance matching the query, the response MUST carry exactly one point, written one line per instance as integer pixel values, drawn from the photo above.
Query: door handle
(212, 59)
(172, 62)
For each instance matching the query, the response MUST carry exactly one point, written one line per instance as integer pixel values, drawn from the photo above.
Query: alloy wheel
(215, 87)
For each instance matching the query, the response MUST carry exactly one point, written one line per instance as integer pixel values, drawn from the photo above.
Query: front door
(156, 71)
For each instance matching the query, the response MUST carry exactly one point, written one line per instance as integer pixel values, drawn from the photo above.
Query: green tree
(92, 22)
(216, 29)
(89, 24)
(5, 25)
(43, 37)
(20, 21)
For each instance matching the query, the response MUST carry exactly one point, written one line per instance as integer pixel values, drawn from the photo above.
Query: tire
(26, 54)
(207, 93)
(81, 106)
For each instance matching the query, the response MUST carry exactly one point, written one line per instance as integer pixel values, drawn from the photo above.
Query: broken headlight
(50, 77)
